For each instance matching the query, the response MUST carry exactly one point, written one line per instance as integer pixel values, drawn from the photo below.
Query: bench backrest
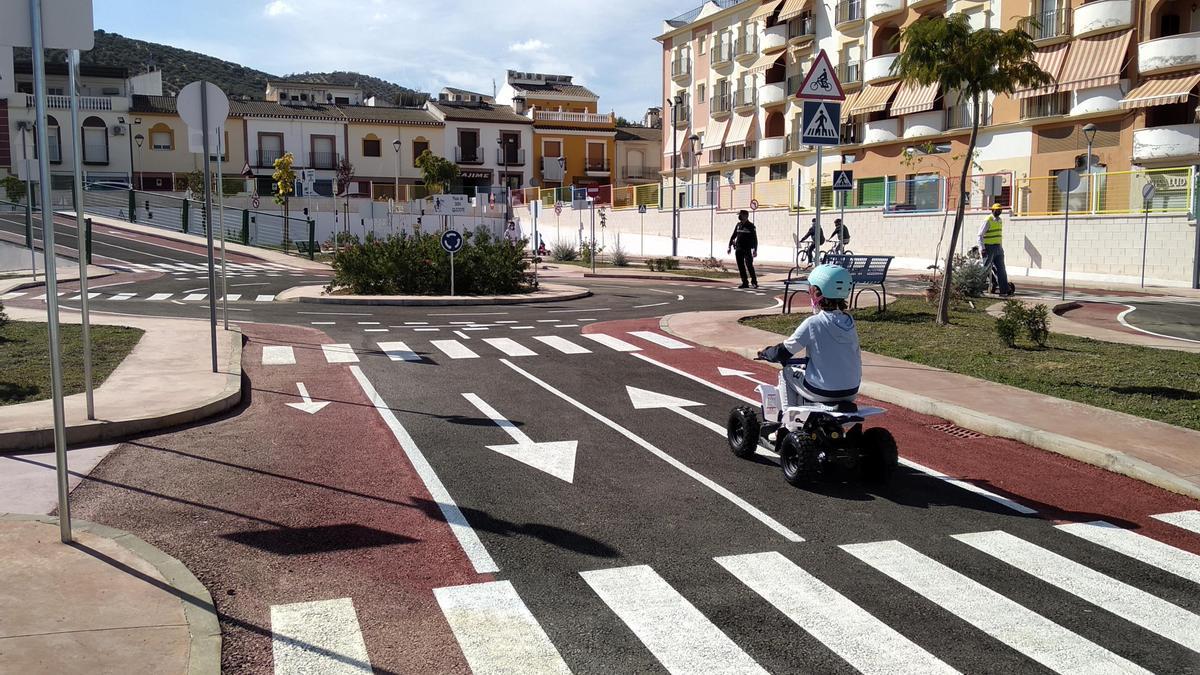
(863, 269)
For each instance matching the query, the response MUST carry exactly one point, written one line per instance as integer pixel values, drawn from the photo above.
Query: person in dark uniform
(745, 240)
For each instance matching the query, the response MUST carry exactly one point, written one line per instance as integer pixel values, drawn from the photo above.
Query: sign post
(1066, 182)
(821, 98)
(452, 242)
(642, 228)
(81, 231)
(1148, 191)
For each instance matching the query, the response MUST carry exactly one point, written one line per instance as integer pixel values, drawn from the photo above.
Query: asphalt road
(547, 489)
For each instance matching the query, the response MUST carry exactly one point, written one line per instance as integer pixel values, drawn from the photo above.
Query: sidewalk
(107, 603)
(1160, 454)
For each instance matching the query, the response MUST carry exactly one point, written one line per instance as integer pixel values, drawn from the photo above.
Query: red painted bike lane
(1060, 489)
(273, 505)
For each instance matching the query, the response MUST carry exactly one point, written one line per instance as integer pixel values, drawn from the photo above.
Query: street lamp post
(675, 103)
(1089, 132)
(139, 139)
(129, 132)
(504, 177)
(396, 187)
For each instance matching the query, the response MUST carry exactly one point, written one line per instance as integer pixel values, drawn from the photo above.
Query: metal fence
(1118, 192)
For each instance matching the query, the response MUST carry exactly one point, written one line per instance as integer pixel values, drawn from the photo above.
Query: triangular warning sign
(246, 172)
(821, 82)
(821, 125)
(842, 181)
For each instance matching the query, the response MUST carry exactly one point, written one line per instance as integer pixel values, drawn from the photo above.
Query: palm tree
(948, 52)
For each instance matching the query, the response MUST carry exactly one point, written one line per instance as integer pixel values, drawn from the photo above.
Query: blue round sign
(452, 241)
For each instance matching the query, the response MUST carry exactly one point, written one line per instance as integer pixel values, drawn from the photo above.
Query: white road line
(454, 349)
(398, 351)
(10, 296)
(336, 313)
(1130, 603)
(496, 631)
(737, 501)
(656, 304)
(461, 334)
(1188, 520)
(970, 487)
(90, 296)
(278, 356)
(368, 323)
(375, 330)
(1027, 632)
(510, 346)
(612, 342)
(416, 323)
(578, 311)
(318, 637)
(848, 630)
(522, 327)
(123, 296)
(467, 538)
(339, 353)
(195, 296)
(562, 344)
(476, 328)
(508, 321)
(1131, 309)
(1139, 547)
(546, 321)
(582, 320)
(233, 297)
(264, 298)
(160, 296)
(678, 635)
(324, 323)
(567, 325)
(427, 330)
(660, 339)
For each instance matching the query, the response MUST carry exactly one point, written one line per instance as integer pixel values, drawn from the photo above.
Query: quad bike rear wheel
(798, 459)
(743, 430)
(879, 455)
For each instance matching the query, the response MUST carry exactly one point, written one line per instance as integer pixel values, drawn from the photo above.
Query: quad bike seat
(842, 406)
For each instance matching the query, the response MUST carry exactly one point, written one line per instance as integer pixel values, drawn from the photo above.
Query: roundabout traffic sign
(452, 241)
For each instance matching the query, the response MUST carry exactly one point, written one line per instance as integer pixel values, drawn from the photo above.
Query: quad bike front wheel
(798, 459)
(743, 430)
(879, 455)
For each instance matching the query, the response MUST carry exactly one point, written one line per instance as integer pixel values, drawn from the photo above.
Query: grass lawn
(25, 358)
(1157, 384)
(707, 274)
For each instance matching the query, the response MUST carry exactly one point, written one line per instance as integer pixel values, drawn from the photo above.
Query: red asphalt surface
(1100, 315)
(1059, 488)
(271, 506)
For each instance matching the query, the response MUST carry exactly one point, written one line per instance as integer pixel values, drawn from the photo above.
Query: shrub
(1037, 324)
(3, 316)
(1007, 329)
(619, 257)
(1017, 318)
(564, 252)
(586, 250)
(14, 188)
(970, 277)
(712, 264)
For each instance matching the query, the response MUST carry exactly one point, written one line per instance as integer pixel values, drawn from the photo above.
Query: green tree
(194, 182)
(285, 185)
(946, 51)
(436, 172)
(14, 188)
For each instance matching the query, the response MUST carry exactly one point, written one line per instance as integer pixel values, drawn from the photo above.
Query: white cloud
(530, 45)
(278, 8)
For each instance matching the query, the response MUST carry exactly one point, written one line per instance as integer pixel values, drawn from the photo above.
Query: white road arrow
(730, 372)
(643, 400)
(556, 458)
(308, 406)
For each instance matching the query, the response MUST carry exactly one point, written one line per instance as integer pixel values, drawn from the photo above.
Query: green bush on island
(416, 264)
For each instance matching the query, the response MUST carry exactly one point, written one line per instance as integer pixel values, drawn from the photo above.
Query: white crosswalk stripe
(274, 355)
(612, 342)
(10, 296)
(454, 349)
(660, 339)
(339, 353)
(1027, 632)
(195, 296)
(1187, 520)
(265, 298)
(1132, 604)
(398, 351)
(510, 347)
(496, 631)
(318, 637)
(123, 296)
(160, 296)
(562, 344)
(233, 297)
(1140, 547)
(677, 633)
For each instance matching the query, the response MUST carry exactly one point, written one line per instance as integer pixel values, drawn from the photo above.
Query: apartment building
(1130, 68)
(161, 150)
(574, 143)
(488, 142)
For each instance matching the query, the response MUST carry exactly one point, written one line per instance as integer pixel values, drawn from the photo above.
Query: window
(303, 97)
(701, 90)
(25, 88)
(468, 146)
(53, 139)
(270, 148)
(371, 146)
(55, 91)
(162, 137)
(341, 100)
(511, 148)
(870, 191)
(110, 91)
(419, 146)
(779, 171)
(95, 141)
(323, 152)
(596, 156)
(746, 175)
(552, 148)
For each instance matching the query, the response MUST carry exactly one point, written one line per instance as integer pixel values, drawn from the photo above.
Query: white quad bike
(814, 440)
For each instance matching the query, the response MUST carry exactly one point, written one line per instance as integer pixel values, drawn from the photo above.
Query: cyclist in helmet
(828, 338)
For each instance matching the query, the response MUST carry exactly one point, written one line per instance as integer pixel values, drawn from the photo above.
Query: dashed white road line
(1187, 520)
(660, 339)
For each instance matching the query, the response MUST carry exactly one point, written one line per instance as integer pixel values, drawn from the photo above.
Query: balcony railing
(850, 72)
(1170, 53)
(681, 66)
(959, 116)
(322, 160)
(266, 158)
(510, 157)
(801, 27)
(64, 102)
(468, 155)
(596, 165)
(721, 52)
(720, 103)
(732, 153)
(746, 44)
(1050, 105)
(1051, 23)
(849, 11)
(745, 96)
(640, 172)
(573, 117)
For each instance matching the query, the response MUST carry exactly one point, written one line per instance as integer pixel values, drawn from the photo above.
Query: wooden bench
(865, 270)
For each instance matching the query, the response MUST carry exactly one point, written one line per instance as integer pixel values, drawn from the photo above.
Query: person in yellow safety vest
(991, 242)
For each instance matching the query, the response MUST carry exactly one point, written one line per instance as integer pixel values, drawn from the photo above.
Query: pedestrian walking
(745, 241)
(991, 241)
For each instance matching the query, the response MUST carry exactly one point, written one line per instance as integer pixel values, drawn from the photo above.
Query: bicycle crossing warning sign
(843, 181)
(821, 82)
(820, 123)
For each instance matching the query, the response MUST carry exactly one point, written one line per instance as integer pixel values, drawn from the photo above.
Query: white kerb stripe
(846, 629)
(678, 635)
(454, 349)
(1188, 520)
(1132, 604)
(278, 356)
(196, 296)
(1027, 632)
(160, 296)
(318, 637)
(562, 344)
(612, 342)
(339, 353)
(398, 351)
(510, 346)
(660, 339)
(496, 631)
(1139, 547)
(264, 298)
(467, 538)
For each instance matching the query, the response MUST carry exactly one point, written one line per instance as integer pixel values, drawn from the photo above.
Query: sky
(607, 45)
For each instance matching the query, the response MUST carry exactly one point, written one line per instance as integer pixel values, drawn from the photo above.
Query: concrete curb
(656, 277)
(21, 283)
(549, 293)
(204, 653)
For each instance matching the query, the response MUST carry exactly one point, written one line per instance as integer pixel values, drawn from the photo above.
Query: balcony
(1171, 142)
(772, 147)
(1050, 105)
(879, 68)
(925, 4)
(468, 155)
(266, 158)
(772, 93)
(802, 29)
(774, 38)
(681, 68)
(746, 45)
(720, 104)
(928, 123)
(1102, 16)
(1051, 25)
(745, 97)
(573, 117)
(721, 54)
(86, 103)
(1099, 99)
(510, 157)
(322, 160)
(850, 73)
(878, 9)
(881, 131)
(849, 14)
(1165, 54)
(597, 166)
(640, 172)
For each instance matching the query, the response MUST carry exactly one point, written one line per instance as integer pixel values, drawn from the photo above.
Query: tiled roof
(464, 92)
(480, 113)
(639, 134)
(553, 88)
(358, 113)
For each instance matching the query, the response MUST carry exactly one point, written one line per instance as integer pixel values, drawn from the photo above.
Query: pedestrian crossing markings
(127, 296)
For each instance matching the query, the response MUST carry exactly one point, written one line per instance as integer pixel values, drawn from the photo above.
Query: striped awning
(1049, 59)
(714, 133)
(873, 98)
(739, 129)
(848, 105)
(764, 63)
(1162, 90)
(792, 9)
(1095, 61)
(914, 98)
(764, 10)
(679, 139)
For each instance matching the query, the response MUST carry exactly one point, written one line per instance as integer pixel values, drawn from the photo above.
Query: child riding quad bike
(818, 427)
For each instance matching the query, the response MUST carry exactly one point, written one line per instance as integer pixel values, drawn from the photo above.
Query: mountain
(180, 66)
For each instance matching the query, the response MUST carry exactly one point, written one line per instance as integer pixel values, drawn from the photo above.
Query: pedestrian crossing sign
(821, 123)
(843, 181)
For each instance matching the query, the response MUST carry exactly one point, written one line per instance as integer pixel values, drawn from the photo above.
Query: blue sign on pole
(452, 241)
(821, 123)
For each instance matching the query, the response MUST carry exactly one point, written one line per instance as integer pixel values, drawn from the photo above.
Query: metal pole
(817, 231)
(212, 273)
(56, 387)
(1066, 228)
(642, 216)
(712, 227)
(129, 134)
(221, 220)
(396, 186)
(592, 247)
(1089, 175)
(674, 179)
(452, 274)
(81, 230)
(796, 237)
(1145, 237)
(29, 207)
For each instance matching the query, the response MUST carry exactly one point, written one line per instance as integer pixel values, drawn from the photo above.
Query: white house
(489, 143)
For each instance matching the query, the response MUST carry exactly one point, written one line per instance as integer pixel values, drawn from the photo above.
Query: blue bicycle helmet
(834, 282)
